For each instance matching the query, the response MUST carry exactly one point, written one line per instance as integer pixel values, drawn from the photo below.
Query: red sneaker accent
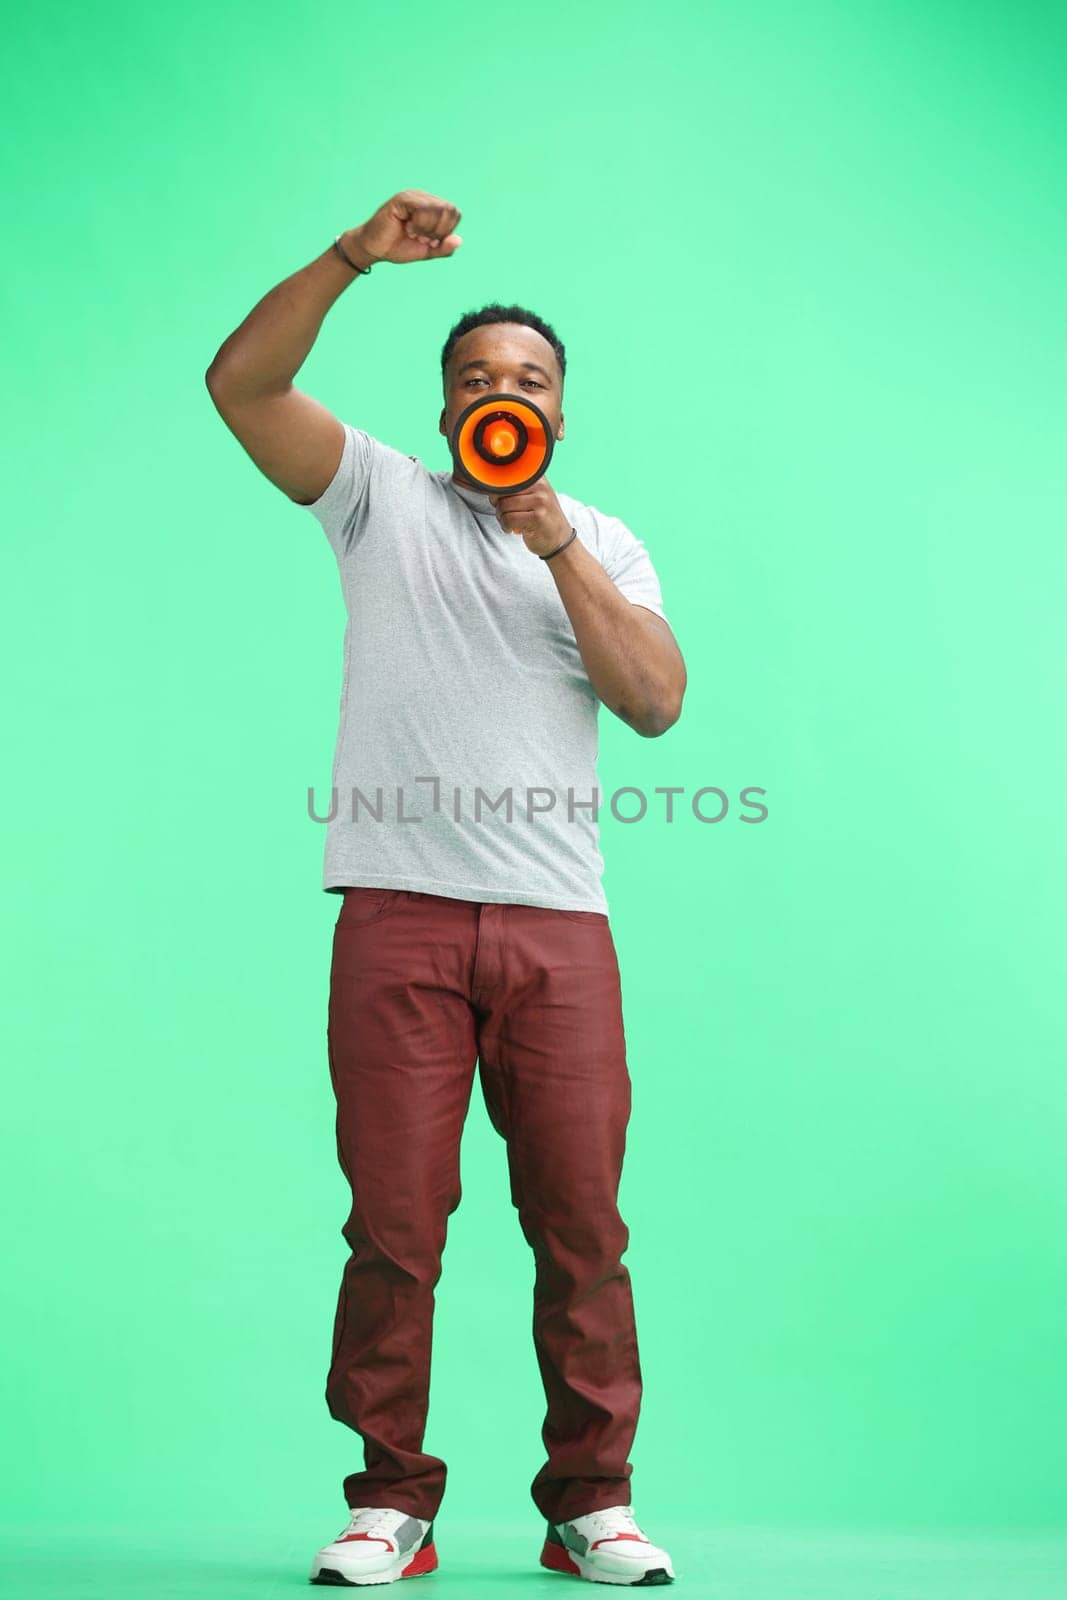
(377, 1537)
(556, 1559)
(424, 1560)
(609, 1538)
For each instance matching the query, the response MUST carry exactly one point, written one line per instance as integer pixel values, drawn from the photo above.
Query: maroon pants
(423, 987)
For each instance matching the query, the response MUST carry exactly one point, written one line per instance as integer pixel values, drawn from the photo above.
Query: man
(483, 631)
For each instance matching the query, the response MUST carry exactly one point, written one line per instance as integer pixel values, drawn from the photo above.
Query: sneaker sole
(557, 1559)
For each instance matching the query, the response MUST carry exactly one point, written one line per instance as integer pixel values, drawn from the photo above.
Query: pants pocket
(364, 904)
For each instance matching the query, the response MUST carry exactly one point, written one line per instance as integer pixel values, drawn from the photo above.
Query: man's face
(502, 358)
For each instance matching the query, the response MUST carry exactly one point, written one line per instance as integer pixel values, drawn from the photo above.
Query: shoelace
(615, 1519)
(377, 1522)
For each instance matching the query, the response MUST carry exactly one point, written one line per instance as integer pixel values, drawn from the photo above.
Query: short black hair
(494, 312)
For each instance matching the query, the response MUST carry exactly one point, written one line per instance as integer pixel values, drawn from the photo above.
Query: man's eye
(485, 380)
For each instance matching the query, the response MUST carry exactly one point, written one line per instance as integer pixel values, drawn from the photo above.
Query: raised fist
(412, 226)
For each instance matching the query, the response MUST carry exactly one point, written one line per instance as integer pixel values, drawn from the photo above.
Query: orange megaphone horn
(501, 444)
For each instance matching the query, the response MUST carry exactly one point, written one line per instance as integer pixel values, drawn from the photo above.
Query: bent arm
(629, 652)
(293, 439)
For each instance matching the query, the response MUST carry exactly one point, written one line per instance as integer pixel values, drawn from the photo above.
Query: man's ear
(441, 421)
(559, 435)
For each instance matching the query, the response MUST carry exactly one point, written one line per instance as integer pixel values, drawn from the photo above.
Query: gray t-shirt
(466, 752)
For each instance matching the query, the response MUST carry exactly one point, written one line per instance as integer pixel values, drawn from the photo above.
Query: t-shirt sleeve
(629, 566)
(342, 506)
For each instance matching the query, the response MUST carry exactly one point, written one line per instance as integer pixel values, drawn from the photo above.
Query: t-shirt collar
(477, 499)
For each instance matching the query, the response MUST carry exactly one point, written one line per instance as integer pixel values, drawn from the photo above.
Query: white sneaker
(606, 1547)
(378, 1546)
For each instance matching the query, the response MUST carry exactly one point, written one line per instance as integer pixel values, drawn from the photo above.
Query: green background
(808, 263)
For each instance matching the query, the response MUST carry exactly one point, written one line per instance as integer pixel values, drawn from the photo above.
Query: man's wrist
(352, 245)
(560, 543)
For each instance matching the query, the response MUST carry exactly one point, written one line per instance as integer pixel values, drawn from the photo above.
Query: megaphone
(502, 444)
